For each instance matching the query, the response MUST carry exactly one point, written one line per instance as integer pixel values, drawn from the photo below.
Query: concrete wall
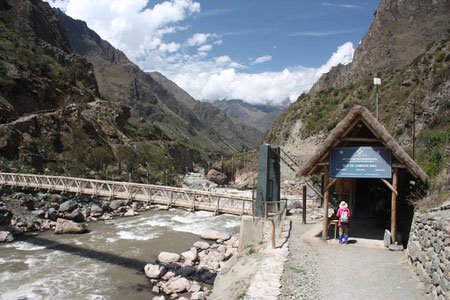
(251, 232)
(429, 250)
(258, 231)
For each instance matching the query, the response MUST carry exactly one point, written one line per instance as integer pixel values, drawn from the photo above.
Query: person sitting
(343, 214)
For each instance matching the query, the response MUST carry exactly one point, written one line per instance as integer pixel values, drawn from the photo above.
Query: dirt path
(320, 270)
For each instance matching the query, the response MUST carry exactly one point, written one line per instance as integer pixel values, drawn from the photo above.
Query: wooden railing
(153, 194)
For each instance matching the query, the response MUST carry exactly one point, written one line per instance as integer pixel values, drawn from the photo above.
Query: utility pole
(377, 82)
(414, 131)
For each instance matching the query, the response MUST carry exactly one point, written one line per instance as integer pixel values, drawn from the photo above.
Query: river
(107, 262)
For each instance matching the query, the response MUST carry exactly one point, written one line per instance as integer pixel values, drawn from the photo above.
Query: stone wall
(429, 250)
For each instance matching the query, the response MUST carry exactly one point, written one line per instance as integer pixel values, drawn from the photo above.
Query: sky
(260, 51)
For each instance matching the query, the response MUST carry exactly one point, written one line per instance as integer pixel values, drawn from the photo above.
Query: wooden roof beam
(361, 140)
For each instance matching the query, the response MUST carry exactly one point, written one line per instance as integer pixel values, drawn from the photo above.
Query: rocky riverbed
(22, 212)
(192, 274)
(189, 274)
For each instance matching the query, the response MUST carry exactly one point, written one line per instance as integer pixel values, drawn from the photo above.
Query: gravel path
(319, 270)
(299, 280)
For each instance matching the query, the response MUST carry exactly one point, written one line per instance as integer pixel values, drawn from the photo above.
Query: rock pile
(23, 212)
(429, 250)
(192, 273)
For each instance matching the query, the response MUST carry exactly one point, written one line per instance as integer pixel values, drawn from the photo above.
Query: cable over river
(107, 262)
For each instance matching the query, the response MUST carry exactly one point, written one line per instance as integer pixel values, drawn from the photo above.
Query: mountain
(154, 97)
(258, 116)
(400, 30)
(38, 70)
(56, 120)
(408, 46)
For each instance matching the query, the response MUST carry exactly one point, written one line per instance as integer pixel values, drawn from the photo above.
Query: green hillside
(424, 82)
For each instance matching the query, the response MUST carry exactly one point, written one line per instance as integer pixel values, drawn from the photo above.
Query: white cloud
(205, 48)
(340, 5)
(129, 25)
(142, 35)
(321, 33)
(200, 38)
(219, 79)
(348, 6)
(171, 47)
(262, 59)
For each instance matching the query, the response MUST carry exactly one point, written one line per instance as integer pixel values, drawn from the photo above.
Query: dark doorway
(372, 209)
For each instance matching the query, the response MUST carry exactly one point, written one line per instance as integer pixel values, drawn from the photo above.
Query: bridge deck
(154, 194)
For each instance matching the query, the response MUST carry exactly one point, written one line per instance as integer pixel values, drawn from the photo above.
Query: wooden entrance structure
(359, 129)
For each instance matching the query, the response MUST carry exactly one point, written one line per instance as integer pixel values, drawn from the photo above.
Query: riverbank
(29, 211)
(107, 262)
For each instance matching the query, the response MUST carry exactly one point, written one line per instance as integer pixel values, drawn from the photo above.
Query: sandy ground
(320, 270)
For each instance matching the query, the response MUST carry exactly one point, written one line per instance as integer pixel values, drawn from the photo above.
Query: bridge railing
(154, 194)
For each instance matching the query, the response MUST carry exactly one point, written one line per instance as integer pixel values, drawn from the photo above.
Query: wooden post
(394, 205)
(304, 205)
(341, 191)
(265, 209)
(326, 197)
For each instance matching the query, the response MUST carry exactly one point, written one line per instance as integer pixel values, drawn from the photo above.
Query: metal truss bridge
(152, 194)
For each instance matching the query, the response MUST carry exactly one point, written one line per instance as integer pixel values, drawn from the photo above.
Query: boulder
(67, 206)
(55, 198)
(186, 271)
(230, 252)
(5, 214)
(394, 247)
(6, 236)
(130, 213)
(222, 248)
(43, 196)
(212, 259)
(175, 285)
(159, 298)
(67, 226)
(154, 271)
(168, 257)
(195, 287)
(96, 211)
(414, 250)
(387, 238)
(39, 213)
(168, 275)
(190, 256)
(115, 204)
(201, 245)
(213, 234)
(198, 295)
(173, 266)
(52, 214)
(75, 215)
(217, 177)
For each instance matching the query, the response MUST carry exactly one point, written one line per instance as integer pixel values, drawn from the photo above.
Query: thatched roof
(360, 128)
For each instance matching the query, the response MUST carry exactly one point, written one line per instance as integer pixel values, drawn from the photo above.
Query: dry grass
(438, 193)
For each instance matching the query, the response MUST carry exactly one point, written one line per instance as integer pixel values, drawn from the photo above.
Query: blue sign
(360, 162)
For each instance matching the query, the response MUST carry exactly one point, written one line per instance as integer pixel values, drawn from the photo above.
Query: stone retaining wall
(429, 250)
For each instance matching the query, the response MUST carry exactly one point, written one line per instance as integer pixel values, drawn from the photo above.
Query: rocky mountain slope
(400, 30)
(38, 70)
(260, 116)
(155, 98)
(56, 121)
(413, 74)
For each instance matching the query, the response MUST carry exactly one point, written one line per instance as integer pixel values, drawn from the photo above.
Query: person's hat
(343, 204)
